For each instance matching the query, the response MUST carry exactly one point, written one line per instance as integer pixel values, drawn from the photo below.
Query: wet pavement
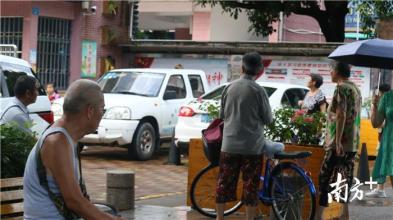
(148, 212)
(373, 208)
(152, 178)
(366, 209)
(160, 190)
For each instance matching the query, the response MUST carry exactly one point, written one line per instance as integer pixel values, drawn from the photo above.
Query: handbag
(212, 140)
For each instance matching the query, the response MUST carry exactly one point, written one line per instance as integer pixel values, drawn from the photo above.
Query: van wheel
(144, 142)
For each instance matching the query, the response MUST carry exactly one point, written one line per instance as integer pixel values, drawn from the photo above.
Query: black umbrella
(376, 53)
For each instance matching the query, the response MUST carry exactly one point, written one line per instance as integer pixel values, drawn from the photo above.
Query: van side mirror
(169, 94)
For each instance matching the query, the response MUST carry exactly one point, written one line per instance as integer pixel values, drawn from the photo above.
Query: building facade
(190, 21)
(65, 40)
(68, 40)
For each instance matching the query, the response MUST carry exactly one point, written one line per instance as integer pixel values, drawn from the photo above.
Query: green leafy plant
(212, 107)
(15, 148)
(289, 125)
(281, 129)
(111, 36)
(213, 110)
(367, 106)
(308, 127)
(112, 7)
(295, 126)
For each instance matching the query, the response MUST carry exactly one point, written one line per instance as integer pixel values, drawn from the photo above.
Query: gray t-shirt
(16, 112)
(245, 109)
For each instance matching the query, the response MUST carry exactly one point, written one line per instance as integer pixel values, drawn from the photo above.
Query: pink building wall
(297, 22)
(201, 26)
(83, 27)
(274, 37)
(91, 29)
(58, 9)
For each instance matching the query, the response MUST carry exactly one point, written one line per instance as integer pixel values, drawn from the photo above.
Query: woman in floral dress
(315, 100)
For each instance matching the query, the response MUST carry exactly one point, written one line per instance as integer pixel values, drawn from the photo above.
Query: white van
(10, 69)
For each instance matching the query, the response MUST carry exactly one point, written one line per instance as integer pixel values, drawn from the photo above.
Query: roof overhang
(228, 48)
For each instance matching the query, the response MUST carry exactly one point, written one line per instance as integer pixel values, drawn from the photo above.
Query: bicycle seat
(292, 155)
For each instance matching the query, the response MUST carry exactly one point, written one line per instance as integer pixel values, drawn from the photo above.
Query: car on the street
(40, 111)
(194, 117)
(141, 107)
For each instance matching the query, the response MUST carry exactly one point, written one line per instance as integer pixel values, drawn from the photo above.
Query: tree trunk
(333, 28)
(332, 21)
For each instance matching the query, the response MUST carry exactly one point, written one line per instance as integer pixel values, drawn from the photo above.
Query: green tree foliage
(370, 11)
(15, 148)
(330, 15)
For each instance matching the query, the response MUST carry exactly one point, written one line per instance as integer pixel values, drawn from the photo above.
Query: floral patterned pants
(230, 167)
(331, 166)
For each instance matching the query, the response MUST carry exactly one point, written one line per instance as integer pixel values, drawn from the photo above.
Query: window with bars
(53, 51)
(11, 32)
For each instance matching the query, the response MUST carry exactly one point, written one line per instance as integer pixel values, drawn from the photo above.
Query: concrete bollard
(120, 191)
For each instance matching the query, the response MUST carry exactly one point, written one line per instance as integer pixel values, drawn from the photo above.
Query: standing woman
(342, 137)
(315, 100)
(245, 110)
(382, 110)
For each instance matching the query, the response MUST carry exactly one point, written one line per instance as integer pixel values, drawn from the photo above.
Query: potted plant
(109, 35)
(294, 126)
(290, 126)
(15, 148)
(110, 7)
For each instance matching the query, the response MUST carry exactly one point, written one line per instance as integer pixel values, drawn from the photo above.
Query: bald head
(81, 93)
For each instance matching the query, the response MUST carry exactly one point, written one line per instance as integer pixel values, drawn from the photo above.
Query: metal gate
(11, 32)
(53, 51)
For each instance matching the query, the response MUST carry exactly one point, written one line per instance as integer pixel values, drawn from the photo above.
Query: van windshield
(134, 83)
(12, 72)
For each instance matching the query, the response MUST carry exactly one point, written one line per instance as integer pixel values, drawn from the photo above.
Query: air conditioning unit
(85, 5)
(87, 8)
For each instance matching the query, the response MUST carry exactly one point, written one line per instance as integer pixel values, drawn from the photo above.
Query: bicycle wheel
(203, 193)
(292, 193)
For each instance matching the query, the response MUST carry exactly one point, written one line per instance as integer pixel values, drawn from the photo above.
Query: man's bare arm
(376, 118)
(57, 158)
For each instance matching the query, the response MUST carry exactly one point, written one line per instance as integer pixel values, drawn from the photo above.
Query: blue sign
(35, 11)
(351, 20)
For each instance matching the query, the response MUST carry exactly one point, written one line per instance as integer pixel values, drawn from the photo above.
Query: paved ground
(160, 190)
(159, 208)
(152, 178)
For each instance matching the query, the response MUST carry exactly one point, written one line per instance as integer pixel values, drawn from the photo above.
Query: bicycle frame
(263, 193)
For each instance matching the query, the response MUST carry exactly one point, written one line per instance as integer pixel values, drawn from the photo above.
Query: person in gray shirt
(245, 110)
(26, 92)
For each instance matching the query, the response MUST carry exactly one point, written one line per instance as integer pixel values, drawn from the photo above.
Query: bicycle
(285, 186)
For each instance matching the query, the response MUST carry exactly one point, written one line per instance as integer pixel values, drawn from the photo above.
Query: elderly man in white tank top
(52, 185)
